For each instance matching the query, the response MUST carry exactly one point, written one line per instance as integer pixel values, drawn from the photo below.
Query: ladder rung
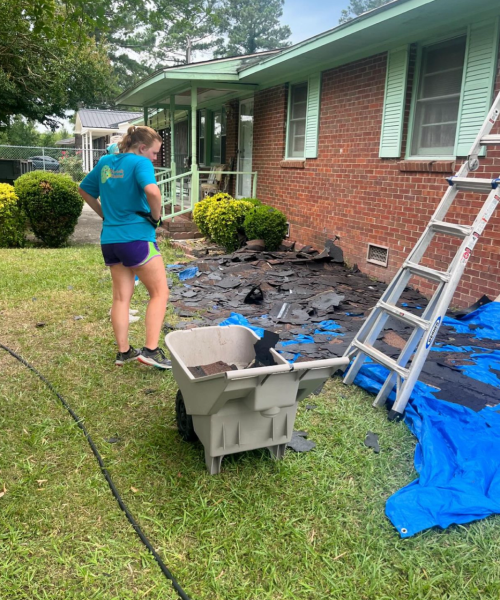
(474, 184)
(426, 272)
(490, 140)
(403, 315)
(455, 229)
(381, 358)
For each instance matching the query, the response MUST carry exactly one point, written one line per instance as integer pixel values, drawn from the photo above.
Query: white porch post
(172, 148)
(84, 152)
(195, 177)
(91, 152)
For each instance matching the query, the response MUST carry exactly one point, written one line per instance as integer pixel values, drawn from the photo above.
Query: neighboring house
(95, 129)
(353, 131)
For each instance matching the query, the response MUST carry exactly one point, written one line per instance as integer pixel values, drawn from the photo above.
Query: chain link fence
(75, 162)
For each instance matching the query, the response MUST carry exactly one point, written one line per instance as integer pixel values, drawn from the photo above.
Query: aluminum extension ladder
(416, 349)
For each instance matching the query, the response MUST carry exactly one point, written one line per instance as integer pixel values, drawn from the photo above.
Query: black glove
(149, 217)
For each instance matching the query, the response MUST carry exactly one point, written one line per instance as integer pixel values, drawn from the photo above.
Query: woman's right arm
(94, 203)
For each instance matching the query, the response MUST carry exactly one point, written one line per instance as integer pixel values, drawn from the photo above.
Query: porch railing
(177, 198)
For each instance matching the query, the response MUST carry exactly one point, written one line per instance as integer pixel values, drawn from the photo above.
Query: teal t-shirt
(119, 180)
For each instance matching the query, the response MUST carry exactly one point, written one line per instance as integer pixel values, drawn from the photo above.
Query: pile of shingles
(291, 293)
(298, 295)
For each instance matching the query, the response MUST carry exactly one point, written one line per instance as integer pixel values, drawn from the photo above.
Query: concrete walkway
(88, 228)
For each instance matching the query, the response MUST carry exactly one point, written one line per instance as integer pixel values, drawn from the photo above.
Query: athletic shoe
(155, 358)
(124, 357)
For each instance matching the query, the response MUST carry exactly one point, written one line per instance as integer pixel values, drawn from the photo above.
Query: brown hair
(136, 136)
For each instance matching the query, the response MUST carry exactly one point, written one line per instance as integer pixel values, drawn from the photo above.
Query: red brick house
(352, 132)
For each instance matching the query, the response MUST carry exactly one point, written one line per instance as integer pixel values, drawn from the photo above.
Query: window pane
(202, 124)
(298, 145)
(297, 121)
(300, 127)
(299, 93)
(216, 139)
(224, 122)
(299, 110)
(436, 109)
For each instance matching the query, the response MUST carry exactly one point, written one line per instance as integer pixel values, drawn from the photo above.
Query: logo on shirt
(109, 173)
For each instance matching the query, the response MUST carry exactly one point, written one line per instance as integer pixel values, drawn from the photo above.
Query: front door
(245, 145)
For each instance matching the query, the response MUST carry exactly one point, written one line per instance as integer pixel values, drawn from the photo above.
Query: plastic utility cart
(241, 409)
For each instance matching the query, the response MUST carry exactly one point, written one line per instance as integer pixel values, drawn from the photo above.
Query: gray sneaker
(125, 357)
(155, 358)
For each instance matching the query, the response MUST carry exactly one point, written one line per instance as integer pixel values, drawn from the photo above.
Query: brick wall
(350, 192)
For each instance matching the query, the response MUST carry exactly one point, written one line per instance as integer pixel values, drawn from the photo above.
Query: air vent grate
(378, 255)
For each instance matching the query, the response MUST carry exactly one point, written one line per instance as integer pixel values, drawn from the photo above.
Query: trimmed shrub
(12, 218)
(52, 204)
(266, 223)
(225, 222)
(253, 201)
(201, 209)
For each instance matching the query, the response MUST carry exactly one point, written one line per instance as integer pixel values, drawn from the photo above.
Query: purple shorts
(130, 254)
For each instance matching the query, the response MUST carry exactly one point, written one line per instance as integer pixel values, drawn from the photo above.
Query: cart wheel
(184, 421)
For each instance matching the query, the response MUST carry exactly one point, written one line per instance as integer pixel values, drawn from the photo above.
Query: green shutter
(394, 103)
(479, 76)
(312, 118)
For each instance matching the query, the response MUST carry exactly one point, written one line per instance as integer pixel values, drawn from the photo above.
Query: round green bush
(253, 201)
(52, 204)
(201, 209)
(225, 220)
(266, 223)
(12, 218)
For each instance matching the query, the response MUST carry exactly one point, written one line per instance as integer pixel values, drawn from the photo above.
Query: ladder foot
(394, 416)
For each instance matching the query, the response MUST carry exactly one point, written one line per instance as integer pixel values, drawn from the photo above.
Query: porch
(205, 117)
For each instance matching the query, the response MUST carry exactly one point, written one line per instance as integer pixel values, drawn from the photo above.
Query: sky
(305, 18)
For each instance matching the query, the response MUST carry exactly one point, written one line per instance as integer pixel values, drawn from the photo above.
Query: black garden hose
(164, 569)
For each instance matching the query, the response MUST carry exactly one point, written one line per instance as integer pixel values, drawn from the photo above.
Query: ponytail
(136, 136)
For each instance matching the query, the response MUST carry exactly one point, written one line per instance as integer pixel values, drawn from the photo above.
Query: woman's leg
(153, 276)
(123, 288)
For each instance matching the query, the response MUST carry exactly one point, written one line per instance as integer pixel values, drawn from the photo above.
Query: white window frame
(289, 120)
(414, 99)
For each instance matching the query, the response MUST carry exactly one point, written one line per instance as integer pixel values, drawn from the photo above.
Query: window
(297, 114)
(219, 136)
(202, 117)
(438, 98)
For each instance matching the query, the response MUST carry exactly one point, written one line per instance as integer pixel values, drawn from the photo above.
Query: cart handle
(277, 369)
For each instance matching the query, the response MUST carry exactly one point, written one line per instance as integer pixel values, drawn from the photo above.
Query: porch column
(195, 177)
(91, 152)
(145, 115)
(173, 173)
(84, 152)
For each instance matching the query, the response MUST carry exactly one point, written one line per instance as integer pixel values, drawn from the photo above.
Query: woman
(130, 205)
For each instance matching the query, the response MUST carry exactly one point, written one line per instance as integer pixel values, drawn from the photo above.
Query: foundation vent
(378, 255)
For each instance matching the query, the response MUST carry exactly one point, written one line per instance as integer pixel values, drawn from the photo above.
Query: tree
(129, 35)
(358, 7)
(184, 28)
(21, 132)
(251, 25)
(47, 61)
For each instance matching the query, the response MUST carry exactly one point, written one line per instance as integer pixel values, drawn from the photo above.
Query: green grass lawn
(307, 528)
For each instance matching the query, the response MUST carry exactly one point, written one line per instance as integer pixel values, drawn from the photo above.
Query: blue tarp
(485, 322)
(188, 273)
(458, 452)
(237, 319)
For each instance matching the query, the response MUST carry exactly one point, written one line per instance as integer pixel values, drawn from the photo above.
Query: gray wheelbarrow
(241, 409)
